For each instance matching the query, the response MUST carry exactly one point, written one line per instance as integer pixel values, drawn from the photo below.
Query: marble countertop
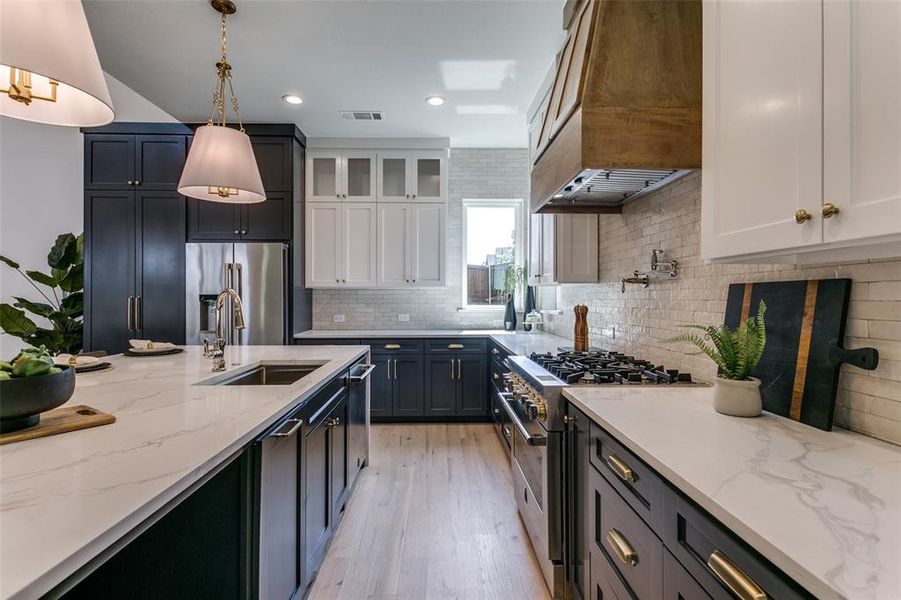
(66, 498)
(516, 342)
(825, 507)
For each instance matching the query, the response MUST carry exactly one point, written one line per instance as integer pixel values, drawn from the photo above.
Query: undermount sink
(270, 374)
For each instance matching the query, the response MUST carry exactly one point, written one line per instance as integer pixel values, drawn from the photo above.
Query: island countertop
(66, 498)
(825, 507)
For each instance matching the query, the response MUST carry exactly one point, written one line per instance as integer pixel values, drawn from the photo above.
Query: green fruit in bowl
(5, 366)
(30, 362)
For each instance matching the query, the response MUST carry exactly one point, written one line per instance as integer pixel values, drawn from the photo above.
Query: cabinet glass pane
(428, 177)
(394, 177)
(324, 176)
(358, 177)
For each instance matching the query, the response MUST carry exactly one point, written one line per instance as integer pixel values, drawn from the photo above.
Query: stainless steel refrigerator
(258, 272)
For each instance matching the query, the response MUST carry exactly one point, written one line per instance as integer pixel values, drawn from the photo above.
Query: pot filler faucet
(217, 352)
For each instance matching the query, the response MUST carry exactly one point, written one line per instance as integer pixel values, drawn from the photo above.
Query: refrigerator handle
(239, 276)
(229, 283)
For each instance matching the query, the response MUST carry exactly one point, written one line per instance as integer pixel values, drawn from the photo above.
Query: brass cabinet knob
(137, 182)
(236, 232)
(802, 215)
(130, 182)
(829, 210)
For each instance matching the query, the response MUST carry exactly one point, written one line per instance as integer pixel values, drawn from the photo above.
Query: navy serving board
(805, 326)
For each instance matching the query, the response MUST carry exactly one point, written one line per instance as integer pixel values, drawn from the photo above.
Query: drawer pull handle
(734, 578)
(621, 469)
(621, 547)
(392, 346)
(455, 346)
(495, 351)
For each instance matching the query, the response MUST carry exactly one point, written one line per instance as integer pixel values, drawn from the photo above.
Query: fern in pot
(736, 352)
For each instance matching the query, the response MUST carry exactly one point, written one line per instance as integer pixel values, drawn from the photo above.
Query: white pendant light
(221, 166)
(49, 70)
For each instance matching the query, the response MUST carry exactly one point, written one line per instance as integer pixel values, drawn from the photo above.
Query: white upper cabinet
(862, 120)
(394, 224)
(341, 244)
(359, 244)
(412, 176)
(563, 248)
(341, 175)
(428, 238)
(802, 130)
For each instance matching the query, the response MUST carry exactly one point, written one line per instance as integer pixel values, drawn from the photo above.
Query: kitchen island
(66, 499)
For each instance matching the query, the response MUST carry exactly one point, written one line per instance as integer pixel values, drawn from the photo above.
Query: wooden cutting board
(60, 420)
(805, 327)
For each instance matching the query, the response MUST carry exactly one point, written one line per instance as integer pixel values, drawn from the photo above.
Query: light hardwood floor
(432, 517)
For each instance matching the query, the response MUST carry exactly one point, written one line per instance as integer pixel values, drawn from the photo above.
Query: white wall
(41, 189)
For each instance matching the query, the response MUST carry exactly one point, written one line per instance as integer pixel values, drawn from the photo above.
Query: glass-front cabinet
(338, 175)
(394, 177)
(412, 176)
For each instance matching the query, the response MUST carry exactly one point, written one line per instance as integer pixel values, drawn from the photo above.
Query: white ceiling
(486, 57)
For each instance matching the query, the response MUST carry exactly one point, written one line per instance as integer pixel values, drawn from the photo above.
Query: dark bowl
(23, 399)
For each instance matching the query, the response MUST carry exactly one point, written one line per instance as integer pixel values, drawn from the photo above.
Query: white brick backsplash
(472, 173)
(868, 401)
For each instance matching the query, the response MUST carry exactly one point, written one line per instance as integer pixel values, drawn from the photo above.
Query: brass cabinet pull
(734, 578)
(392, 346)
(802, 215)
(622, 470)
(621, 547)
(395, 368)
(455, 346)
(829, 210)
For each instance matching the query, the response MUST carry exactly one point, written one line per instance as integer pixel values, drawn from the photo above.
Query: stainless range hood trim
(573, 195)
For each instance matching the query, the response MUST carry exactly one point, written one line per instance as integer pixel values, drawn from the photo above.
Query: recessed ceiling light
(292, 99)
(435, 100)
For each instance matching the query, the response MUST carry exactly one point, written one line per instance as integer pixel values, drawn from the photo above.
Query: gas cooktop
(599, 367)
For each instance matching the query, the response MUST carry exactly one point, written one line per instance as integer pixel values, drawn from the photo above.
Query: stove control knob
(536, 410)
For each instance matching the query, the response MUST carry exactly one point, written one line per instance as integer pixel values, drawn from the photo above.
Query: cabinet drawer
(641, 487)
(394, 346)
(458, 345)
(715, 558)
(624, 539)
(497, 353)
(328, 342)
(677, 583)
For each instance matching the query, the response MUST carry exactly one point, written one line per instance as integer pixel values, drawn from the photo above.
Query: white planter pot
(738, 398)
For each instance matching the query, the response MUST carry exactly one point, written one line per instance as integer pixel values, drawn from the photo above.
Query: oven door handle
(532, 440)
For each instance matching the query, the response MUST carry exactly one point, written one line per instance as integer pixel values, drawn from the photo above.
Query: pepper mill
(580, 329)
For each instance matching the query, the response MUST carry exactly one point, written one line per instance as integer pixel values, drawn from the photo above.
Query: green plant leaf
(14, 322)
(64, 252)
(42, 278)
(74, 279)
(54, 340)
(73, 303)
(38, 308)
(79, 248)
(9, 262)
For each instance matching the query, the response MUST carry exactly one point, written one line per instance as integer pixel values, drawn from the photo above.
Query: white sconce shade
(47, 44)
(221, 167)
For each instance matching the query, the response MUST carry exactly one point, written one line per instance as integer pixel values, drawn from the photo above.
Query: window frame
(520, 245)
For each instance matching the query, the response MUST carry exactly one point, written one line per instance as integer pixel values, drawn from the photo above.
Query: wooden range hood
(624, 113)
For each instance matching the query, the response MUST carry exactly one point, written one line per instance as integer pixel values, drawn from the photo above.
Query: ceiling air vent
(361, 115)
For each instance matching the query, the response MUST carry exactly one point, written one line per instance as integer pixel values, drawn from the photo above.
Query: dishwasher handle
(292, 426)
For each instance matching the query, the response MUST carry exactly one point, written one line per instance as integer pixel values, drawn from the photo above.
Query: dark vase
(510, 315)
(530, 306)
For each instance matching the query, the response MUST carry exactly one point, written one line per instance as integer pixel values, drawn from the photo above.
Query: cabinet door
(109, 161)
(534, 268)
(338, 445)
(428, 237)
(472, 383)
(109, 269)
(577, 497)
(160, 265)
(324, 176)
(406, 373)
(275, 157)
(359, 245)
(323, 244)
(427, 176)
(359, 172)
(380, 387)
(159, 161)
(267, 221)
(393, 177)
(317, 514)
(862, 120)
(441, 385)
(394, 226)
(213, 221)
(576, 249)
(762, 131)
(548, 271)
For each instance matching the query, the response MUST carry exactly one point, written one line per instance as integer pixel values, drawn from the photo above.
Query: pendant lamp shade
(221, 167)
(49, 70)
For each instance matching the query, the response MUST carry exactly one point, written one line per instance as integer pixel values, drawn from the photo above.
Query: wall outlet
(403, 318)
(337, 318)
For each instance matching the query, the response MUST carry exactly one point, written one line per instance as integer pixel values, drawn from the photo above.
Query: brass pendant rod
(223, 71)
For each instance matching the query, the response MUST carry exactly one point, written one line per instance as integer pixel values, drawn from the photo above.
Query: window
(493, 242)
